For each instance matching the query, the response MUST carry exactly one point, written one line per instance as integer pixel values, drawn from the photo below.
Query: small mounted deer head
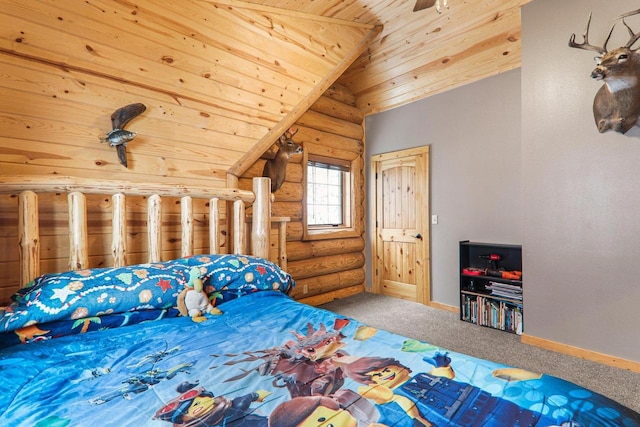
(616, 106)
(276, 168)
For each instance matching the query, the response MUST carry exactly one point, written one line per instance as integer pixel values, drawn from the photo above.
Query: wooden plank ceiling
(419, 54)
(221, 80)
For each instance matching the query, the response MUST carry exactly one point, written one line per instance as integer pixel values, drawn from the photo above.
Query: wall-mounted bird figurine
(118, 137)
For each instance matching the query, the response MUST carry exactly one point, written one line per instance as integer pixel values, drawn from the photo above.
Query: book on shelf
(505, 290)
(495, 314)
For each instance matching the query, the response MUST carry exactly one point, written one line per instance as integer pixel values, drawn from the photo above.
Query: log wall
(330, 268)
(218, 78)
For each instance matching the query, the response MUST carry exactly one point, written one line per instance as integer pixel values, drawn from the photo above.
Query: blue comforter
(269, 360)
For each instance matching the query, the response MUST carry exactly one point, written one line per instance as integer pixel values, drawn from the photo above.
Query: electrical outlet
(305, 289)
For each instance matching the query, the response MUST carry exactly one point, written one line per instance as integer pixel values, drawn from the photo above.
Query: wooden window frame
(352, 226)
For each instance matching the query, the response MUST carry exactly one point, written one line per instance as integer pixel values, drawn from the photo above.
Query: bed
(108, 346)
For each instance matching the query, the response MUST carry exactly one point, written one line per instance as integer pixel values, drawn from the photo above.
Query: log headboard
(28, 189)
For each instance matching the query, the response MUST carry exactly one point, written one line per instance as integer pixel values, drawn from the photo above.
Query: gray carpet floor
(444, 329)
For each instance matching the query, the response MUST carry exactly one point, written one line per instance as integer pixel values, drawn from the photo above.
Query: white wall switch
(434, 219)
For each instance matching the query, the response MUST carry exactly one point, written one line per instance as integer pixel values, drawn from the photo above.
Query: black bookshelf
(490, 286)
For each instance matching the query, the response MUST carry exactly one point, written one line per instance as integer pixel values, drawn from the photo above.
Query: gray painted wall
(474, 138)
(578, 218)
(581, 189)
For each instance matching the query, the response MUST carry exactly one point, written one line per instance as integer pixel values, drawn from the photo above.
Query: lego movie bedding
(107, 347)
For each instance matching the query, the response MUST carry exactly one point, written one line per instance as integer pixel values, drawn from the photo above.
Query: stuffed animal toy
(193, 301)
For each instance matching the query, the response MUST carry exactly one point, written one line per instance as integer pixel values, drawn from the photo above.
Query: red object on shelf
(492, 257)
(474, 271)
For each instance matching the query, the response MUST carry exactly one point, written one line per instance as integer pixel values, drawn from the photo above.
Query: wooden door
(401, 246)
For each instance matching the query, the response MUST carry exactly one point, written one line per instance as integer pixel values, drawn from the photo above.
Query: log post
(238, 227)
(186, 219)
(281, 224)
(232, 182)
(154, 227)
(214, 224)
(261, 226)
(78, 236)
(119, 230)
(29, 235)
(282, 243)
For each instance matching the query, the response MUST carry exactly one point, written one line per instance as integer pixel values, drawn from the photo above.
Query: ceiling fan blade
(423, 4)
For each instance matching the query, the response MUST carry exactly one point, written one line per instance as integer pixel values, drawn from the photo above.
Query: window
(329, 194)
(327, 185)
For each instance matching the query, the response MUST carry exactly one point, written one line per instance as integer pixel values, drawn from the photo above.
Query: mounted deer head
(616, 106)
(276, 168)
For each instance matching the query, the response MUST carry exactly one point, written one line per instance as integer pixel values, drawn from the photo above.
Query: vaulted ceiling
(222, 79)
(422, 53)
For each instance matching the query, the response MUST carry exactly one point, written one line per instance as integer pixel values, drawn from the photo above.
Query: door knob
(418, 236)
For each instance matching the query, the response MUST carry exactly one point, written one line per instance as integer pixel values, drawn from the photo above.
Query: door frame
(423, 270)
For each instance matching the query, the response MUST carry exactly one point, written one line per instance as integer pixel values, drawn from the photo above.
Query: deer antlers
(602, 50)
(288, 134)
(585, 40)
(634, 37)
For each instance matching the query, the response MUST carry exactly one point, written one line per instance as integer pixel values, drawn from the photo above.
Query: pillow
(95, 292)
(227, 277)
